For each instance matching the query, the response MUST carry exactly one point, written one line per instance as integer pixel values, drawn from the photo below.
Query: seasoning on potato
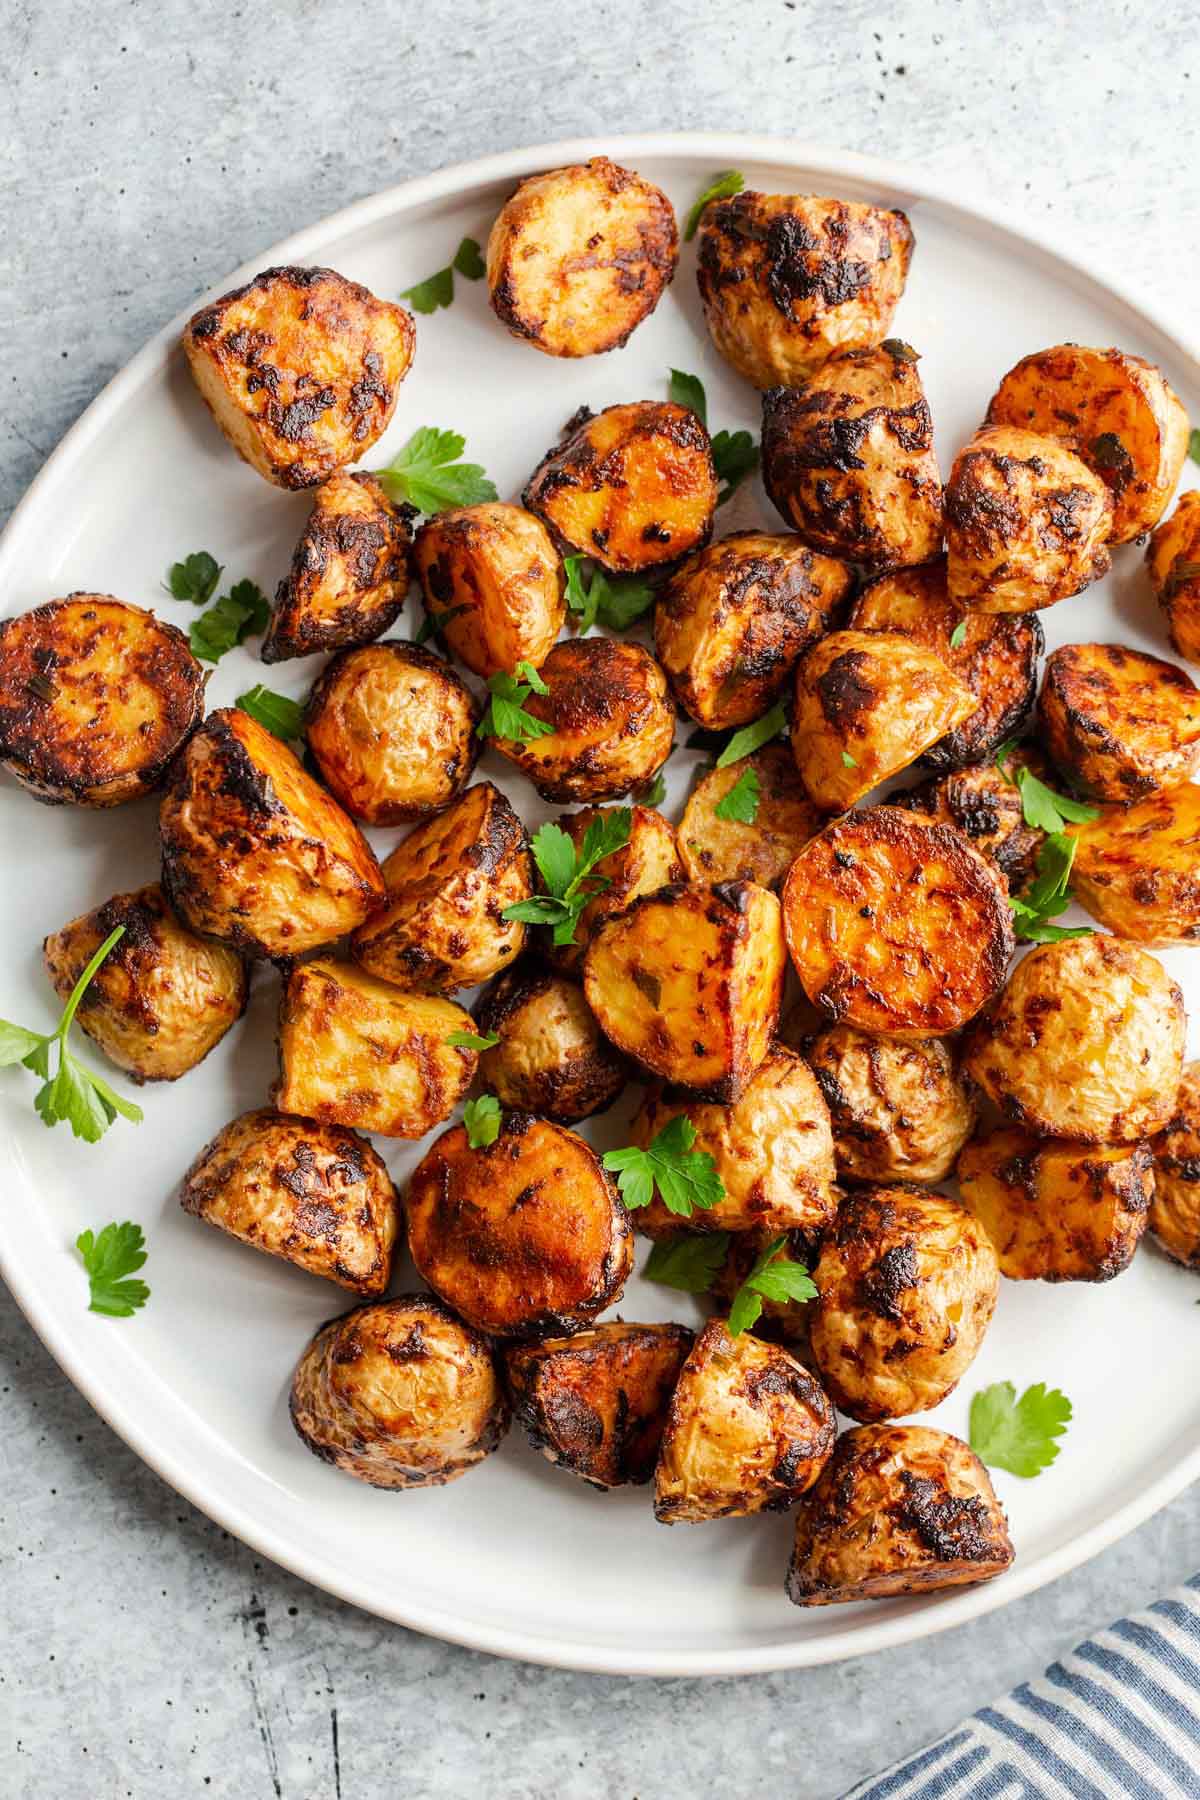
(349, 573)
(899, 1112)
(1175, 1206)
(552, 1057)
(985, 804)
(1137, 868)
(1119, 724)
(1173, 559)
(647, 861)
(755, 832)
(493, 585)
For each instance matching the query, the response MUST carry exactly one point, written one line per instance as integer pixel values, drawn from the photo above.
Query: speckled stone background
(145, 149)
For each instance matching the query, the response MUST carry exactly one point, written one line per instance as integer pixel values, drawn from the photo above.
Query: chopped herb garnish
(735, 455)
(740, 804)
(900, 350)
(473, 1040)
(1042, 807)
(505, 715)
(428, 474)
(1194, 444)
(1047, 895)
(241, 613)
(1018, 1435)
(774, 1276)
(438, 289)
(434, 622)
(848, 761)
(753, 737)
(689, 1263)
(194, 579)
(958, 635)
(481, 1121)
(283, 717)
(118, 1252)
(721, 187)
(616, 604)
(685, 1178)
(688, 390)
(568, 872)
(654, 793)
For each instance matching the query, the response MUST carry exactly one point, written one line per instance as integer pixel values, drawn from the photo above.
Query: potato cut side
(349, 573)
(1173, 559)
(1175, 1206)
(715, 848)
(1137, 868)
(493, 585)
(1118, 723)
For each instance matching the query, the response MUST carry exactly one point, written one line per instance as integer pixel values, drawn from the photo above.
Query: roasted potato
(1137, 868)
(162, 998)
(787, 279)
(733, 619)
(995, 656)
(300, 368)
(254, 851)
(356, 1051)
(1175, 1207)
(596, 1403)
(349, 573)
(985, 804)
(96, 697)
(316, 1195)
(552, 1057)
(1085, 1042)
(613, 725)
(900, 1112)
(780, 1321)
(717, 848)
(449, 883)
(748, 1430)
(907, 1282)
(493, 585)
(900, 1509)
(400, 1394)
(896, 925)
(525, 1236)
(1118, 723)
(647, 862)
(1027, 523)
(869, 703)
(632, 486)
(848, 460)
(688, 982)
(1119, 415)
(1173, 558)
(392, 730)
(1058, 1211)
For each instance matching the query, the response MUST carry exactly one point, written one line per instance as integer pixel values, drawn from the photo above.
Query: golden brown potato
(900, 1509)
(896, 925)
(1117, 412)
(1119, 724)
(748, 1430)
(848, 459)
(349, 573)
(787, 279)
(300, 369)
(1085, 1042)
(1027, 523)
(552, 1057)
(1175, 1207)
(524, 1236)
(780, 1321)
(254, 851)
(315, 1195)
(632, 486)
(996, 656)
(1058, 1211)
(647, 862)
(907, 1283)
(1137, 868)
(162, 998)
(985, 804)
(493, 585)
(1173, 558)
(449, 883)
(96, 697)
(596, 1403)
(868, 703)
(400, 1394)
(613, 723)
(713, 848)
(688, 982)
(900, 1112)
(356, 1051)
(391, 727)
(733, 619)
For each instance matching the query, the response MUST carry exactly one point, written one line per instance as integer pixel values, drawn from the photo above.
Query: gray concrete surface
(144, 150)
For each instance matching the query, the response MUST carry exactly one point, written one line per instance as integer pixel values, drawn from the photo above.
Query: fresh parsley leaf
(654, 793)
(900, 350)
(468, 260)
(1043, 809)
(505, 715)
(685, 1178)
(1047, 895)
(958, 635)
(721, 187)
(481, 1119)
(688, 390)
(753, 737)
(428, 474)
(116, 1253)
(689, 1263)
(283, 717)
(1018, 1435)
(434, 622)
(567, 872)
(241, 613)
(735, 455)
(195, 578)
(848, 761)
(773, 1277)
(740, 804)
(438, 289)
(16, 1043)
(616, 604)
(473, 1040)
(1194, 445)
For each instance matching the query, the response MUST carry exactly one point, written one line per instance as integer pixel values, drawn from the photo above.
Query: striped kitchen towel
(1118, 1719)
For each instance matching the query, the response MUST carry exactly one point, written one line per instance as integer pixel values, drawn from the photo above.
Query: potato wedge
(1119, 724)
(1175, 1208)
(899, 1112)
(1173, 558)
(1137, 868)
(349, 573)
(986, 806)
(552, 1057)
(760, 849)
(1058, 1211)
(493, 585)
(647, 862)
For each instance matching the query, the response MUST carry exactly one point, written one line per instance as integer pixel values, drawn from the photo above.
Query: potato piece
(984, 803)
(524, 1236)
(1173, 558)
(733, 619)
(688, 982)
(595, 1404)
(907, 1283)
(848, 459)
(613, 724)
(162, 998)
(300, 368)
(356, 1051)
(647, 862)
(1137, 868)
(254, 851)
(868, 703)
(400, 1394)
(448, 885)
(900, 1509)
(632, 486)
(96, 697)
(1027, 523)
(785, 1322)
(392, 730)
(1119, 415)
(1119, 724)
(762, 849)
(748, 1430)
(493, 585)
(1058, 1211)
(1085, 1042)
(900, 1112)
(1175, 1208)
(349, 572)
(787, 279)
(316, 1195)
(996, 656)
(552, 1057)
(896, 925)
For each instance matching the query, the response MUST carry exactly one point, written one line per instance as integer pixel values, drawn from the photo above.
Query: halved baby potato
(1173, 558)
(715, 848)
(1118, 723)
(1175, 1207)
(985, 804)
(648, 861)
(493, 585)
(1137, 868)
(899, 1112)
(349, 573)
(552, 1057)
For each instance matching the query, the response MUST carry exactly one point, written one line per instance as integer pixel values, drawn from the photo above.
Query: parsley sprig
(1049, 892)
(686, 1179)
(194, 579)
(428, 474)
(481, 1121)
(690, 1262)
(654, 792)
(740, 804)
(773, 1276)
(600, 601)
(233, 617)
(438, 289)
(735, 453)
(505, 715)
(752, 737)
(283, 717)
(721, 187)
(1194, 444)
(1044, 809)
(1018, 1435)
(473, 1040)
(568, 872)
(119, 1251)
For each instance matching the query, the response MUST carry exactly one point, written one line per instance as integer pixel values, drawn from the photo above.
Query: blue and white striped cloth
(1118, 1719)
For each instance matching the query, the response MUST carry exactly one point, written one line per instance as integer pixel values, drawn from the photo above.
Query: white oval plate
(517, 1558)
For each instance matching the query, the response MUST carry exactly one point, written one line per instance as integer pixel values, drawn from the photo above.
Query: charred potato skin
(315, 1195)
(300, 368)
(1173, 559)
(713, 849)
(1175, 1209)
(125, 693)
(493, 585)
(349, 573)
(1118, 723)
(552, 1058)
(984, 805)
(899, 1112)
(900, 1509)
(647, 862)
(595, 1404)
(162, 998)
(1137, 868)
(787, 280)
